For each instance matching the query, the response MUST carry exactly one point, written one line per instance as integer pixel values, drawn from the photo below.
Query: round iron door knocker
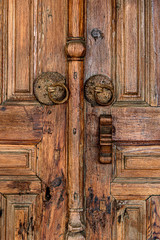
(49, 88)
(99, 90)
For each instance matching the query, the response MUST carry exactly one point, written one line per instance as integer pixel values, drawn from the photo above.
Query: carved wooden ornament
(75, 50)
(105, 139)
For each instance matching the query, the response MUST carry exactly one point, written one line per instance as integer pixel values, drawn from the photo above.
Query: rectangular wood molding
(22, 215)
(135, 217)
(18, 160)
(105, 139)
(134, 53)
(19, 50)
(137, 161)
(130, 219)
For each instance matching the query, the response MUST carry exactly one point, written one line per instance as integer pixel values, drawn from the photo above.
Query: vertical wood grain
(22, 49)
(132, 223)
(53, 36)
(52, 170)
(98, 51)
(3, 217)
(1, 47)
(97, 180)
(130, 50)
(97, 176)
(23, 35)
(52, 167)
(21, 218)
(131, 47)
(76, 18)
(129, 220)
(75, 50)
(153, 217)
(155, 52)
(33, 35)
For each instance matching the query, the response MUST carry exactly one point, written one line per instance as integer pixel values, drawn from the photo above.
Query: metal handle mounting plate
(49, 88)
(99, 90)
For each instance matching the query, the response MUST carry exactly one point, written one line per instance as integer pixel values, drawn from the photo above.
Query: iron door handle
(99, 90)
(50, 88)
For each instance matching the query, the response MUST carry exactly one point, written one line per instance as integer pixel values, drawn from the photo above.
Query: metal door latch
(49, 88)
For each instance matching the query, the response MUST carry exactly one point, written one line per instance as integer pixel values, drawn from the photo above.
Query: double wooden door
(88, 168)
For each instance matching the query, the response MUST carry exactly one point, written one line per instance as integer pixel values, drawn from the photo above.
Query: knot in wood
(75, 49)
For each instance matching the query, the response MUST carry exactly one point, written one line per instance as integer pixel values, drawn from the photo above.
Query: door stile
(75, 50)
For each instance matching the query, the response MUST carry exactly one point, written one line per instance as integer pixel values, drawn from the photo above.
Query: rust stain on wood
(97, 34)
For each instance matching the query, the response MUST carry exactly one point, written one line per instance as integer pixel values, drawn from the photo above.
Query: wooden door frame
(75, 50)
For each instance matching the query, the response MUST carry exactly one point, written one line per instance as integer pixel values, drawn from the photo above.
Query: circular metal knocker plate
(49, 88)
(99, 90)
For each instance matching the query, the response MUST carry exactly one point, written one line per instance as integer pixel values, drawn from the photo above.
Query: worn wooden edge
(75, 50)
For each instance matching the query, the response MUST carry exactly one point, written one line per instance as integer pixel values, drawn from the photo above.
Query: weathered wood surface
(136, 124)
(153, 220)
(132, 161)
(105, 138)
(41, 148)
(52, 167)
(97, 176)
(129, 221)
(32, 137)
(128, 31)
(75, 50)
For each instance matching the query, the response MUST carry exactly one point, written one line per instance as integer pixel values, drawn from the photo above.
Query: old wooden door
(82, 168)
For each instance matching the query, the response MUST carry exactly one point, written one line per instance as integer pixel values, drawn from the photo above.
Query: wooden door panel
(21, 124)
(136, 219)
(131, 50)
(153, 222)
(18, 160)
(20, 208)
(20, 184)
(38, 167)
(3, 216)
(20, 42)
(136, 124)
(136, 161)
(134, 61)
(135, 187)
(129, 220)
(127, 52)
(98, 60)
(32, 136)
(23, 215)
